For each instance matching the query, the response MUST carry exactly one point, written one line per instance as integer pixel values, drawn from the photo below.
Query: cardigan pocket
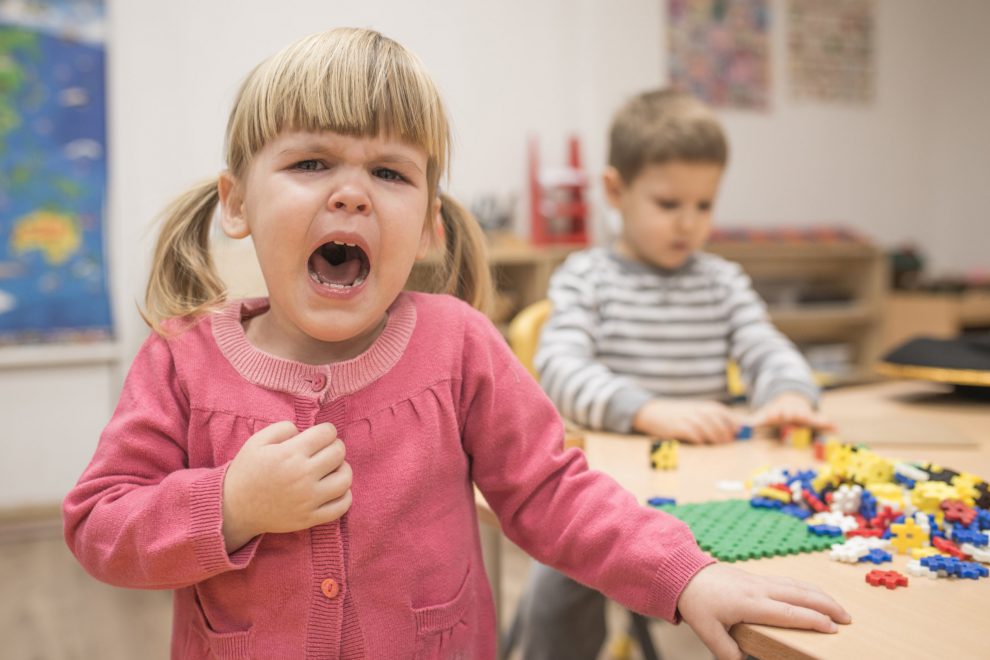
(223, 645)
(444, 631)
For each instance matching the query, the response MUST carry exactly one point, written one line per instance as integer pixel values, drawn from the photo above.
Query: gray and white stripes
(622, 332)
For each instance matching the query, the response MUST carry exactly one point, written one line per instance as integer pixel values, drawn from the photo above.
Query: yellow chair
(524, 337)
(524, 332)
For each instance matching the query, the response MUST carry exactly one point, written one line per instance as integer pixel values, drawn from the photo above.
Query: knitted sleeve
(577, 520)
(138, 517)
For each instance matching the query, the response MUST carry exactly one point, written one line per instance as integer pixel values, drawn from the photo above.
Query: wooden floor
(50, 609)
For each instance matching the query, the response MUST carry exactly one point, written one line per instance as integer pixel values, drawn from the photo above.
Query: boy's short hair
(663, 125)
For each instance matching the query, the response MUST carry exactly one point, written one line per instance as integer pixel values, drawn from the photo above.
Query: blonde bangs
(349, 81)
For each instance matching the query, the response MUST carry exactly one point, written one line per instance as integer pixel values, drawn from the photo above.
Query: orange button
(330, 588)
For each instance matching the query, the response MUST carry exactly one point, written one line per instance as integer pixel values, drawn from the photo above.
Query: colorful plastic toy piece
(825, 530)
(915, 568)
(876, 556)
(663, 454)
(907, 535)
(732, 530)
(889, 579)
(956, 511)
(745, 432)
(661, 501)
(948, 547)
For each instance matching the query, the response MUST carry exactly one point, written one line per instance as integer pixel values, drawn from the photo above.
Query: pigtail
(184, 282)
(465, 272)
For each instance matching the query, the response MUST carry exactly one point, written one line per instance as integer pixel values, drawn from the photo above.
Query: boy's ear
(233, 221)
(614, 186)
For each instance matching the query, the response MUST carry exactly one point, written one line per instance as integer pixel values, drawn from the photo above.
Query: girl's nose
(350, 199)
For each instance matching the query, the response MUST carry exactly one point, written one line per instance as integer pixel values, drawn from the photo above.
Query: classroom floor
(50, 609)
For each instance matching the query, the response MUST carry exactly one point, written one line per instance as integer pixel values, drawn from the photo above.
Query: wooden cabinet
(828, 298)
(520, 273)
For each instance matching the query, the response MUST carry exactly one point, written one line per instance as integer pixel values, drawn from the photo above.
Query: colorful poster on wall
(831, 49)
(720, 51)
(53, 281)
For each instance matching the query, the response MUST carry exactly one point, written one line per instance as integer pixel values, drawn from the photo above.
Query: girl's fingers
(785, 615)
(811, 597)
(717, 639)
(333, 509)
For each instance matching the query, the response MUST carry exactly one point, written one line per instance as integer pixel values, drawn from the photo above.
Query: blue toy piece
(765, 503)
(907, 482)
(745, 432)
(660, 501)
(868, 505)
(876, 556)
(825, 530)
(796, 511)
(961, 535)
(953, 566)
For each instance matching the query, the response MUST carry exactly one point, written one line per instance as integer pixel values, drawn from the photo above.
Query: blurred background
(863, 125)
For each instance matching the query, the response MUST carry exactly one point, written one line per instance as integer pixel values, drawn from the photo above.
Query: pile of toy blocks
(877, 506)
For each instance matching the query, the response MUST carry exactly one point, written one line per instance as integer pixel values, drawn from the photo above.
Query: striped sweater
(623, 332)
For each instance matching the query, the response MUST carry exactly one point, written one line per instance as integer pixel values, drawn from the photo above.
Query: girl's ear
(613, 184)
(433, 233)
(233, 221)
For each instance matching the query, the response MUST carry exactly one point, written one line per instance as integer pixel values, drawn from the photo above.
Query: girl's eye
(705, 206)
(668, 204)
(388, 174)
(308, 165)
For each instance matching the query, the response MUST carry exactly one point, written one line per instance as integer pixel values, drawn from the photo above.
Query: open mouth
(339, 265)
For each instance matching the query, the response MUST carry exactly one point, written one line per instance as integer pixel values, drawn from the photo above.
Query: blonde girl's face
(337, 223)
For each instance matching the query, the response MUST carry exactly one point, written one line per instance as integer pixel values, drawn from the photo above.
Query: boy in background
(641, 330)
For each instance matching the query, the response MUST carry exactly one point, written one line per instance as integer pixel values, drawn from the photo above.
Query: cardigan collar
(326, 381)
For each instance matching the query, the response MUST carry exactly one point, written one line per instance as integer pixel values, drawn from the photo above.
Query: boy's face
(666, 210)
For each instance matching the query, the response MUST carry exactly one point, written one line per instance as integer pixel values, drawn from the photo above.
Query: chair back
(524, 332)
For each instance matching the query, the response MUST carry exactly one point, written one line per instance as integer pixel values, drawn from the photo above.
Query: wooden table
(930, 618)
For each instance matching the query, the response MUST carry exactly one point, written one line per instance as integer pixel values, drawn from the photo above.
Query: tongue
(343, 274)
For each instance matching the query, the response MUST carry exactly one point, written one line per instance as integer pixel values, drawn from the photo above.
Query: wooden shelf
(854, 272)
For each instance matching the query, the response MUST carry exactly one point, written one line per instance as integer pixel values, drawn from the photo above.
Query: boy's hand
(720, 596)
(791, 408)
(283, 481)
(688, 420)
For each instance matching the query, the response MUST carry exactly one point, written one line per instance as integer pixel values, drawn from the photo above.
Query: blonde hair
(659, 126)
(351, 81)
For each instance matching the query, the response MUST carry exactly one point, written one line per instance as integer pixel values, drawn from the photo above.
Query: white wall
(914, 164)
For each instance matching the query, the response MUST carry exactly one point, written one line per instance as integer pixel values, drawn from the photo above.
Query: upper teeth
(342, 243)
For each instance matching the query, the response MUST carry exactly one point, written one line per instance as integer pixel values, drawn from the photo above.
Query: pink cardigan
(436, 403)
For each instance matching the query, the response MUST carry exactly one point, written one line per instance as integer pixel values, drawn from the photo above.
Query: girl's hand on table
(720, 596)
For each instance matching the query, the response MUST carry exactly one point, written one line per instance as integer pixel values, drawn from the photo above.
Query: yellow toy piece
(887, 494)
(927, 551)
(663, 454)
(907, 535)
(839, 461)
(928, 496)
(775, 494)
(827, 476)
(799, 437)
(865, 467)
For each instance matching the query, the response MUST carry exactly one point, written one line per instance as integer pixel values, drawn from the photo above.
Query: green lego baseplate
(732, 530)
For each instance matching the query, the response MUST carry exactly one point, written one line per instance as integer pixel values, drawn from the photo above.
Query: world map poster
(53, 174)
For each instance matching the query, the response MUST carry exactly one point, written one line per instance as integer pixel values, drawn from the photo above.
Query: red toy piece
(956, 511)
(863, 531)
(813, 501)
(948, 547)
(889, 579)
